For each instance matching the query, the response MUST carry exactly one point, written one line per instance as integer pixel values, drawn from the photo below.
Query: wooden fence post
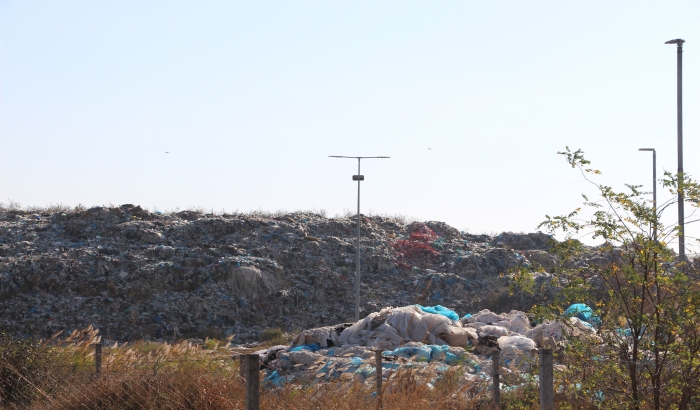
(98, 359)
(252, 382)
(546, 380)
(378, 364)
(496, 378)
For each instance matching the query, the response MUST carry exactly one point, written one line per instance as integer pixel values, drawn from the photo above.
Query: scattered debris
(135, 274)
(416, 339)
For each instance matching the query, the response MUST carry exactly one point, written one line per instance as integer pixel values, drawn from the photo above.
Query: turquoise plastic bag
(311, 348)
(440, 310)
(583, 312)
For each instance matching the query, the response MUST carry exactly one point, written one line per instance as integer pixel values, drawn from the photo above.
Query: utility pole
(653, 151)
(681, 196)
(359, 178)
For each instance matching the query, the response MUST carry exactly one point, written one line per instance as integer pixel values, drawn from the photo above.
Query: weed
(274, 337)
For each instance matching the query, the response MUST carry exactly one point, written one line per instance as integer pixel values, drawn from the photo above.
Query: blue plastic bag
(451, 358)
(275, 379)
(356, 361)
(311, 348)
(440, 310)
(421, 353)
(436, 352)
(579, 310)
(583, 312)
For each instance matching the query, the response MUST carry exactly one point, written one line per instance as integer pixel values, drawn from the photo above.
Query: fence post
(252, 382)
(496, 378)
(546, 380)
(241, 365)
(378, 367)
(98, 359)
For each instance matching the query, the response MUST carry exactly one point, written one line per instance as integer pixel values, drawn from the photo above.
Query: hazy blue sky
(470, 99)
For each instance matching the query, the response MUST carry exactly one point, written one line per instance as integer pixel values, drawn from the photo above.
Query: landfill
(136, 274)
(427, 341)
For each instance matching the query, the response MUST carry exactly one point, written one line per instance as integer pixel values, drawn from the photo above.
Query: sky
(236, 106)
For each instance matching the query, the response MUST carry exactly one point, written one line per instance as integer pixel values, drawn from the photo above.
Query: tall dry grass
(206, 376)
(199, 389)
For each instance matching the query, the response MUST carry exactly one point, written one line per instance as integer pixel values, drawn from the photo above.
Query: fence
(186, 382)
(99, 376)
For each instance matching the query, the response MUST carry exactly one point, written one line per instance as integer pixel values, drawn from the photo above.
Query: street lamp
(653, 151)
(679, 93)
(359, 178)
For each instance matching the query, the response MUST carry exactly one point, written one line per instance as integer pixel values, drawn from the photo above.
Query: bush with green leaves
(646, 352)
(274, 336)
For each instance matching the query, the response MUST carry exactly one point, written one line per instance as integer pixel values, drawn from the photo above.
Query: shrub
(274, 336)
(211, 344)
(24, 365)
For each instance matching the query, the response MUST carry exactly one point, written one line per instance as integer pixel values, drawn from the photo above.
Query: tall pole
(357, 253)
(681, 195)
(654, 203)
(679, 93)
(653, 151)
(359, 177)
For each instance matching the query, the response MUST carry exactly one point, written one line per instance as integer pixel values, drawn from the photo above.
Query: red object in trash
(424, 234)
(410, 252)
(412, 249)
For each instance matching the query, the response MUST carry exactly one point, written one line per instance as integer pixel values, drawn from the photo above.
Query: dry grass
(206, 376)
(199, 389)
(187, 376)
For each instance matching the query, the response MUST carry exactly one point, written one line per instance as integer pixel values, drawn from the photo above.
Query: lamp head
(647, 149)
(678, 41)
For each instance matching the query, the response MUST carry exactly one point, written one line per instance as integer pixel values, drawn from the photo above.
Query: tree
(646, 352)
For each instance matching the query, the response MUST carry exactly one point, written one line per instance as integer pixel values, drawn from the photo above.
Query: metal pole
(654, 203)
(357, 255)
(359, 177)
(681, 199)
(679, 104)
(653, 184)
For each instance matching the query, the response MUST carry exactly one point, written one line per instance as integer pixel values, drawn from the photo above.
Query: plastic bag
(419, 352)
(583, 312)
(518, 342)
(440, 310)
(311, 348)
(275, 379)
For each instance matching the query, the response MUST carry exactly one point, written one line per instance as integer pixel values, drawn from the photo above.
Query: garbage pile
(427, 340)
(136, 274)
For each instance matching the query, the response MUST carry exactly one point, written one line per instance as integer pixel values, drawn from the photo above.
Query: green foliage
(646, 352)
(211, 344)
(274, 336)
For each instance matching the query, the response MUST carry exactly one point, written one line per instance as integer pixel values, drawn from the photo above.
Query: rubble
(138, 274)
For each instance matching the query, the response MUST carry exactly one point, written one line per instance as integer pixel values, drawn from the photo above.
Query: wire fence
(179, 383)
(212, 383)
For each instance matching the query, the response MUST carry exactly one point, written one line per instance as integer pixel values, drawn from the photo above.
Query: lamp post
(359, 178)
(653, 151)
(679, 94)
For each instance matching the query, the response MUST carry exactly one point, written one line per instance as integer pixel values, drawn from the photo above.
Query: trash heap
(136, 274)
(427, 340)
